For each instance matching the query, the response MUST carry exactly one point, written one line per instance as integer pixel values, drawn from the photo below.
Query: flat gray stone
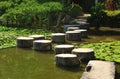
(24, 42)
(66, 26)
(67, 60)
(72, 28)
(73, 35)
(84, 54)
(37, 37)
(42, 45)
(97, 69)
(59, 49)
(58, 37)
(83, 33)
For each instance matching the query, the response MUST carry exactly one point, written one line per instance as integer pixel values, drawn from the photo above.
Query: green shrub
(97, 15)
(75, 11)
(4, 5)
(30, 13)
(100, 17)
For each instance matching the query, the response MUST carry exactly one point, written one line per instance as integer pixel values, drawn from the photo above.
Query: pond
(17, 63)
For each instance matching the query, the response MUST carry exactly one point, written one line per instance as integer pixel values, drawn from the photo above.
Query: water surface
(16, 63)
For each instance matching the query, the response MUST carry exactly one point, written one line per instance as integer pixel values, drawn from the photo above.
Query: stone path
(97, 69)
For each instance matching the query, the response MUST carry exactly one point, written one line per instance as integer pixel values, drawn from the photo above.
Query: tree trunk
(59, 19)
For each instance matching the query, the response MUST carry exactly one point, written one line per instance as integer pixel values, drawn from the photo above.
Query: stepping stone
(97, 69)
(84, 54)
(73, 35)
(38, 37)
(24, 42)
(83, 25)
(59, 49)
(72, 28)
(58, 37)
(66, 26)
(68, 60)
(42, 45)
(83, 33)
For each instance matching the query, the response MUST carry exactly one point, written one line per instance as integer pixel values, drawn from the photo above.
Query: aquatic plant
(8, 35)
(106, 51)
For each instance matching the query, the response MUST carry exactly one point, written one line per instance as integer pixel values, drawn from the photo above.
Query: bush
(97, 15)
(29, 13)
(75, 11)
(100, 17)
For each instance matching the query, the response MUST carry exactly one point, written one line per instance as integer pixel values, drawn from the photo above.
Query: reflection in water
(17, 63)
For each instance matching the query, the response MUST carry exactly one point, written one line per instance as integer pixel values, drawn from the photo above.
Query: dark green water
(16, 63)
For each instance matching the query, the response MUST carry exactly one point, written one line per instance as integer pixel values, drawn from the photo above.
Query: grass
(8, 35)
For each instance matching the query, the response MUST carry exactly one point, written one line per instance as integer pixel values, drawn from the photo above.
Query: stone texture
(72, 28)
(24, 42)
(38, 37)
(97, 69)
(59, 49)
(58, 37)
(83, 33)
(73, 35)
(68, 60)
(84, 54)
(42, 45)
(66, 26)
(83, 25)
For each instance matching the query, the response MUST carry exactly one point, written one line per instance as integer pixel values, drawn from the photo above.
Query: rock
(73, 35)
(83, 25)
(84, 54)
(24, 42)
(58, 37)
(72, 28)
(42, 45)
(66, 26)
(68, 60)
(83, 33)
(38, 37)
(99, 70)
(59, 49)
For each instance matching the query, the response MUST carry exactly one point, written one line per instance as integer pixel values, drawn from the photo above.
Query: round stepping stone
(38, 37)
(58, 37)
(84, 54)
(59, 49)
(66, 26)
(73, 35)
(83, 25)
(83, 33)
(42, 45)
(72, 28)
(68, 60)
(24, 42)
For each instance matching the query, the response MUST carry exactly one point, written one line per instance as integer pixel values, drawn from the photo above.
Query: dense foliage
(28, 12)
(106, 51)
(101, 17)
(8, 35)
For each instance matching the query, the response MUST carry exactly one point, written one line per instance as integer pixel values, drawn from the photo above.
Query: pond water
(17, 63)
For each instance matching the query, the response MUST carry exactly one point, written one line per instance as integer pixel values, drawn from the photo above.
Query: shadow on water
(45, 52)
(71, 69)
